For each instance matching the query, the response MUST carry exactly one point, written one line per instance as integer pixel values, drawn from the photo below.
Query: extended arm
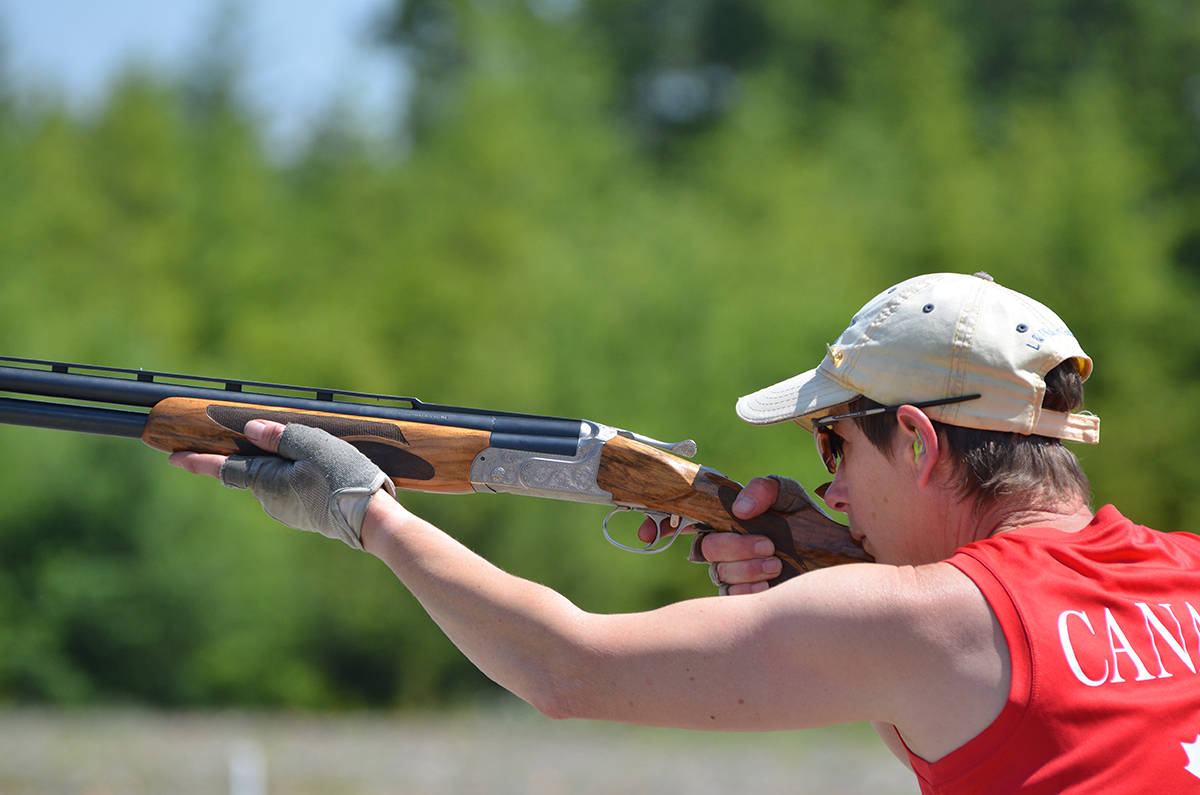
(744, 664)
(841, 644)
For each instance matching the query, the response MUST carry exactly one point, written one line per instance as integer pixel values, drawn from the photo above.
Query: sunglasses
(829, 444)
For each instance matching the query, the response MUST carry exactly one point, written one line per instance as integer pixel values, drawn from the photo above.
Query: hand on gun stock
(314, 481)
(747, 563)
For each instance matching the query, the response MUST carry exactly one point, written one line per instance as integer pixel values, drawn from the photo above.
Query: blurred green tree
(630, 210)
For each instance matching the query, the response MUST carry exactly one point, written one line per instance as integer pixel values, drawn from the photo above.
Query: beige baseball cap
(935, 336)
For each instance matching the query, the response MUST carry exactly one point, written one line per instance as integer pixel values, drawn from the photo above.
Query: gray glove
(792, 497)
(317, 483)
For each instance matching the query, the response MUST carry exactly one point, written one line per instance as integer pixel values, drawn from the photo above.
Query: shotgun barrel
(93, 385)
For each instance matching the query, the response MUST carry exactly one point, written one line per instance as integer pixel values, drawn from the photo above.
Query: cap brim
(798, 397)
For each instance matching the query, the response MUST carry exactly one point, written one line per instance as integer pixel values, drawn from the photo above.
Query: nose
(836, 496)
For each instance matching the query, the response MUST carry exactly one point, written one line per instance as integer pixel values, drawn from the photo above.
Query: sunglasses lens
(829, 445)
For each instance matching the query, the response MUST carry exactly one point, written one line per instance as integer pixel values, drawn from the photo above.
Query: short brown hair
(994, 465)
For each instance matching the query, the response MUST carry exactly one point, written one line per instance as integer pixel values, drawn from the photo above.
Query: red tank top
(1103, 627)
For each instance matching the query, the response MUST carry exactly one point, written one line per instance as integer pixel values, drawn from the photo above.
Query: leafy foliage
(563, 238)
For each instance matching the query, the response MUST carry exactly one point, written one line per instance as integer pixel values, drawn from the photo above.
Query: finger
(264, 433)
(757, 587)
(743, 572)
(198, 463)
(757, 497)
(719, 547)
(647, 533)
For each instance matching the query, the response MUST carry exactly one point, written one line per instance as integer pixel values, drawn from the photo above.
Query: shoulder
(849, 643)
(909, 621)
(926, 640)
(911, 595)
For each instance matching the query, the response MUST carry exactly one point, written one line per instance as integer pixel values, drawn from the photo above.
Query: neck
(1070, 516)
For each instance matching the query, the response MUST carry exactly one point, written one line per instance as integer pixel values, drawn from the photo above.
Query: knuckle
(723, 546)
(765, 484)
(272, 436)
(738, 573)
(772, 487)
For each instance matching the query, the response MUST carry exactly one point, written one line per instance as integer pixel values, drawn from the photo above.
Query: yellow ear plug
(918, 448)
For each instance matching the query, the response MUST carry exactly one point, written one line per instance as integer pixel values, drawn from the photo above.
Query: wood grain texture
(416, 456)
(639, 475)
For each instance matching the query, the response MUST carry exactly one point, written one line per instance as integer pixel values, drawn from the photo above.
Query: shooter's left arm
(777, 660)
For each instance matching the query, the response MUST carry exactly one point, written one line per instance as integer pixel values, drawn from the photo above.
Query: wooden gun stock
(804, 540)
(416, 456)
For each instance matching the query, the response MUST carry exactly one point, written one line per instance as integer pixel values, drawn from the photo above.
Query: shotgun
(422, 447)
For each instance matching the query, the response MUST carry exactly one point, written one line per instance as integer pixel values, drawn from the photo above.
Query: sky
(301, 53)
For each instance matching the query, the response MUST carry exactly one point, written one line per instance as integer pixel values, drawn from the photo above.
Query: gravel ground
(498, 752)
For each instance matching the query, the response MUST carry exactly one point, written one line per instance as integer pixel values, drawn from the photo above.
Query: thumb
(755, 498)
(264, 433)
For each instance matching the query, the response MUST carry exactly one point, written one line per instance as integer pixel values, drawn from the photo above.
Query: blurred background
(627, 210)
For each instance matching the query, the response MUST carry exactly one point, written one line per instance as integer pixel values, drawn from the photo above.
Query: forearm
(520, 634)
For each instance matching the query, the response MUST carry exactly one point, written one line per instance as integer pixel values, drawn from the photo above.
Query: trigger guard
(678, 523)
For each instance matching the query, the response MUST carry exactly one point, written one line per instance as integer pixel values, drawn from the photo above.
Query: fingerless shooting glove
(318, 483)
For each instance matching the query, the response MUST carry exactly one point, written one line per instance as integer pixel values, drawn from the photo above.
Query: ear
(920, 438)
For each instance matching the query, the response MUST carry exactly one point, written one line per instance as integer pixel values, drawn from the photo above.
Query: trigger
(654, 547)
